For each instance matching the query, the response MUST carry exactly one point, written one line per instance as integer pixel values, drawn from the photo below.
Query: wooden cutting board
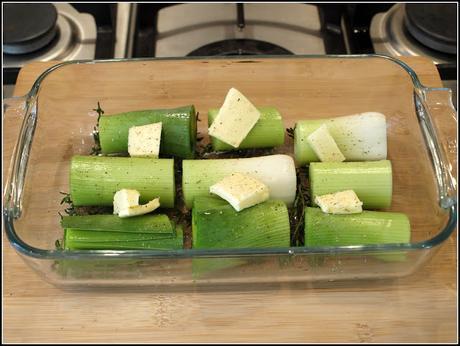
(419, 308)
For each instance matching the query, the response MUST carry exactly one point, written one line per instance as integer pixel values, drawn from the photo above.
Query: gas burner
(417, 30)
(433, 25)
(46, 32)
(238, 29)
(239, 47)
(28, 27)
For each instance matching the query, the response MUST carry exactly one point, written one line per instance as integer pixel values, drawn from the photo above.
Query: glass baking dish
(56, 124)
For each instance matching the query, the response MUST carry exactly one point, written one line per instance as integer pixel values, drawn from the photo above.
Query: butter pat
(324, 145)
(126, 204)
(241, 191)
(140, 209)
(344, 202)
(144, 141)
(124, 199)
(235, 119)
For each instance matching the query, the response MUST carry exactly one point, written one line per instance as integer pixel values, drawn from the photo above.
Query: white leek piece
(278, 172)
(360, 137)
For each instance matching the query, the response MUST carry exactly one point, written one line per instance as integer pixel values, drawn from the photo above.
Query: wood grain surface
(418, 308)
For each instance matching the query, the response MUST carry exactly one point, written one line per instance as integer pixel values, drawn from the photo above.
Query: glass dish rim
(30, 251)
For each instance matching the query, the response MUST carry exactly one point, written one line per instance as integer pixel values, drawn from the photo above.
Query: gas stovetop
(212, 29)
(61, 33)
(238, 29)
(417, 30)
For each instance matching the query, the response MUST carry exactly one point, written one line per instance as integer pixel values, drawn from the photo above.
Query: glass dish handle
(25, 108)
(438, 119)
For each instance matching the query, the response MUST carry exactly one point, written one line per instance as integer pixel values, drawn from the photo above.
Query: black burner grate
(239, 47)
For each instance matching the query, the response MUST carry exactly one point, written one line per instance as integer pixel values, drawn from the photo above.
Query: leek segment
(178, 137)
(371, 181)
(268, 132)
(94, 180)
(216, 225)
(277, 172)
(360, 137)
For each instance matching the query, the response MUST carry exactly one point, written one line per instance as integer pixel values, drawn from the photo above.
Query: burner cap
(239, 47)
(433, 25)
(28, 27)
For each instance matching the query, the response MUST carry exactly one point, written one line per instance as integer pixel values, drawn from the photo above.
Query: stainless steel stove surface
(424, 30)
(209, 29)
(238, 29)
(61, 33)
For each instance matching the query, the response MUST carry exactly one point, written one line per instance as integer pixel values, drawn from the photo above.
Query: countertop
(418, 308)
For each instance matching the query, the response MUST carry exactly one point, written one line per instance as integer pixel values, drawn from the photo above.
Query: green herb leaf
(99, 111)
(70, 210)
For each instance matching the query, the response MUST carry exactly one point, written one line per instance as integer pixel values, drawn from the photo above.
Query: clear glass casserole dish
(57, 124)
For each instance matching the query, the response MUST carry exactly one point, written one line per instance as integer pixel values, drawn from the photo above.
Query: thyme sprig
(58, 244)
(203, 150)
(296, 212)
(208, 153)
(70, 210)
(290, 131)
(96, 149)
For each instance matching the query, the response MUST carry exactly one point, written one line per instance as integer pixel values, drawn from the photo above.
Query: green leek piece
(216, 225)
(76, 239)
(371, 181)
(178, 135)
(267, 132)
(94, 180)
(149, 224)
(366, 228)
